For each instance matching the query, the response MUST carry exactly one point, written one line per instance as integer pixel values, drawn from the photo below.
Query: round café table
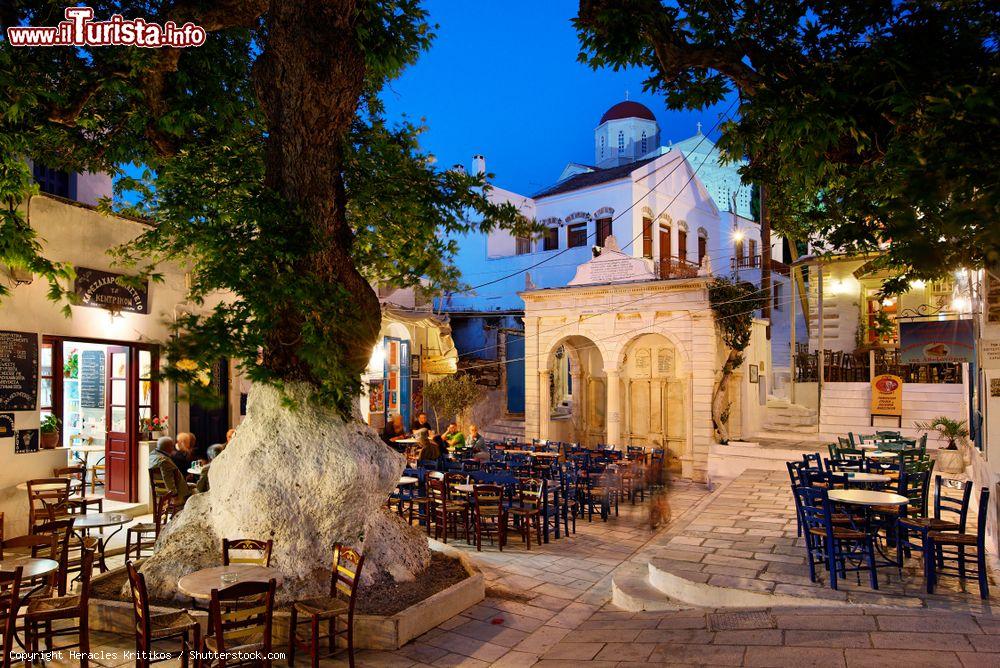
(881, 454)
(863, 478)
(31, 567)
(74, 483)
(83, 523)
(867, 498)
(199, 585)
(407, 480)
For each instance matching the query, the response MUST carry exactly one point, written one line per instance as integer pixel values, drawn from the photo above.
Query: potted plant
(951, 458)
(153, 427)
(49, 429)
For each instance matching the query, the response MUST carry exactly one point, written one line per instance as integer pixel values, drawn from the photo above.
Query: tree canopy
(267, 167)
(872, 123)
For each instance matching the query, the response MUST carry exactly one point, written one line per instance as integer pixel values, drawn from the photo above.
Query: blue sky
(502, 79)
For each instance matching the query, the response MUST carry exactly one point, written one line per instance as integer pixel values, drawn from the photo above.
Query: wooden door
(120, 425)
(209, 424)
(665, 252)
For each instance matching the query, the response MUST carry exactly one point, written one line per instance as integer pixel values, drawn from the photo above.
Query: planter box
(949, 461)
(370, 631)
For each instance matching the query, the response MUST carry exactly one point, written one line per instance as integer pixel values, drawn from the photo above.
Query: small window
(576, 235)
(522, 245)
(550, 239)
(753, 249)
(739, 249)
(603, 230)
(643, 143)
(702, 249)
(52, 181)
(647, 237)
(602, 146)
(621, 142)
(778, 289)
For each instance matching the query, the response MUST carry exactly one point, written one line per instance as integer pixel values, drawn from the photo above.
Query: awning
(441, 356)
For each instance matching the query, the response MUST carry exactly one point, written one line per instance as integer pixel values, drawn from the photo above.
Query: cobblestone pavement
(550, 606)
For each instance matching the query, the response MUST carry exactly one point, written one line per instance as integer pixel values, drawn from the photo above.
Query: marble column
(544, 402)
(613, 415)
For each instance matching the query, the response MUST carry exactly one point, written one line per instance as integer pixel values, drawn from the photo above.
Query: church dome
(627, 109)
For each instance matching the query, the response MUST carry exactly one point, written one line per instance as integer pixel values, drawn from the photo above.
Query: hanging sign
(936, 341)
(102, 289)
(18, 371)
(887, 395)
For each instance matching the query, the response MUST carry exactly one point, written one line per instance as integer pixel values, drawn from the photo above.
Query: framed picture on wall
(376, 396)
(754, 374)
(417, 396)
(415, 365)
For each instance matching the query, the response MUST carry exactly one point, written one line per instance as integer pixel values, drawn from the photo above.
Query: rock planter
(385, 632)
(950, 461)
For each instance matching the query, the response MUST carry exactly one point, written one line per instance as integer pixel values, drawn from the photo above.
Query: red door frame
(131, 486)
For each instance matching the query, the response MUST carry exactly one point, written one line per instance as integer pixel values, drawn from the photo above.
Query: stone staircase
(784, 417)
(508, 427)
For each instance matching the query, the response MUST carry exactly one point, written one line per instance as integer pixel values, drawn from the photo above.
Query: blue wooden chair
(939, 561)
(840, 549)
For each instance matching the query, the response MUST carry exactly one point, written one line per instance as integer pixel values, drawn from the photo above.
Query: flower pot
(950, 461)
(48, 440)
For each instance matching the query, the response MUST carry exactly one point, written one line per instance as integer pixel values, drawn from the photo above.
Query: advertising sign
(936, 341)
(887, 395)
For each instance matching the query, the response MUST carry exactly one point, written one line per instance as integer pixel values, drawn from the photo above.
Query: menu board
(92, 379)
(18, 371)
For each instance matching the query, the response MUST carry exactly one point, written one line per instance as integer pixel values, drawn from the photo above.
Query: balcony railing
(755, 262)
(675, 268)
(856, 367)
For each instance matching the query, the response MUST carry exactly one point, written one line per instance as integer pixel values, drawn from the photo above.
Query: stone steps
(505, 428)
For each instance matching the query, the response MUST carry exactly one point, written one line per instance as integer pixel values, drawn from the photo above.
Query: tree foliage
(451, 395)
(871, 122)
(266, 162)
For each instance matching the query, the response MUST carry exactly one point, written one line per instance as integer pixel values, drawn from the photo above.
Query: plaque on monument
(612, 266)
(18, 371)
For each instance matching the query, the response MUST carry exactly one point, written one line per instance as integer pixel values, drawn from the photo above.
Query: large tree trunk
(304, 477)
(720, 400)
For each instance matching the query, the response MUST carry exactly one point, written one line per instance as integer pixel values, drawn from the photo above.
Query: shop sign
(18, 371)
(990, 353)
(936, 341)
(887, 395)
(102, 289)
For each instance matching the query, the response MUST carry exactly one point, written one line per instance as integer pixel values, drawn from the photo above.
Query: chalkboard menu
(18, 371)
(92, 379)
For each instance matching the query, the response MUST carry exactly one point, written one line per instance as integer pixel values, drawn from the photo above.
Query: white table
(74, 483)
(406, 441)
(878, 454)
(866, 497)
(407, 480)
(867, 477)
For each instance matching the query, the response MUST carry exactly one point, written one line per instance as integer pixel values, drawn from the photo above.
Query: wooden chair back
(47, 504)
(66, 542)
(248, 551)
(958, 507)
(241, 615)
(530, 493)
(140, 606)
(346, 575)
(489, 500)
(75, 473)
(43, 546)
(10, 592)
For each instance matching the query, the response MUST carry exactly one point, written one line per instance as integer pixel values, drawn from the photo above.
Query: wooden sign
(18, 371)
(92, 379)
(887, 396)
(6, 425)
(102, 289)
(25, 440)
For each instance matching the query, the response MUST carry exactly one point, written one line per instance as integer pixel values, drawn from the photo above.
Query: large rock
(304, 478)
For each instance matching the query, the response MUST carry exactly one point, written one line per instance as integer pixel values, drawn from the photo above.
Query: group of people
(434, 445)
(172, 459)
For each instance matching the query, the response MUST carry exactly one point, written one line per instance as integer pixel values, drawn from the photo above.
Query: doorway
(664, 251)
(100, 390)
(209, 424)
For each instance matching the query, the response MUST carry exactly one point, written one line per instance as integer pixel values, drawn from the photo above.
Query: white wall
(847, 407)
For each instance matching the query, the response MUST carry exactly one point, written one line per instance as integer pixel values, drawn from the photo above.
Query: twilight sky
(502, 79)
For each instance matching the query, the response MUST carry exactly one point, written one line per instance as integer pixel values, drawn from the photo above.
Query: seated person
(453, 437)
(214, 450)
(393, 430)
(421, 422)
(183, 455)
(476, 441)
(430, 445)
(161, 465)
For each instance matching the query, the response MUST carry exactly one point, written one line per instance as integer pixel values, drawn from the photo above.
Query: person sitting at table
(213, 450)
(393, 430)
(161, 461)
(421, 422)
(476, 441)
(453, 437)
(430, 445)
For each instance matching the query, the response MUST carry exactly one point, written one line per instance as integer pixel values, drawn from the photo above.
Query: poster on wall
(18, 371)
(936, 341)
(887, 396)
(92, 379)
(416, 396)
(25, 440)
(6, 425)
(102, 289)
(376, 396)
